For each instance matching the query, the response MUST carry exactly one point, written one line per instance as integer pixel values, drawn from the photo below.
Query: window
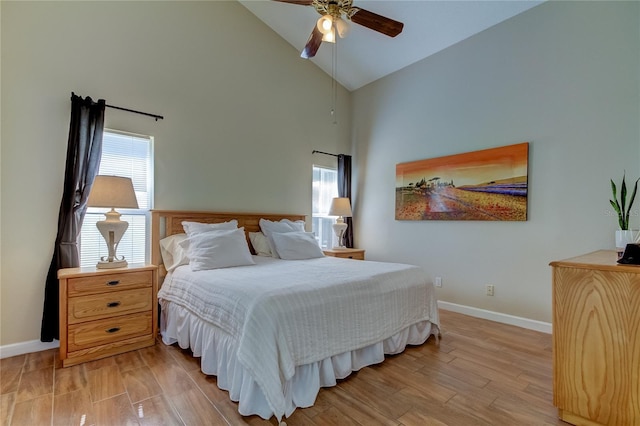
(127, 155)
(325, 188)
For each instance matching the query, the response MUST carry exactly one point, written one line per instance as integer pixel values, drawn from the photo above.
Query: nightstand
(104, 312)
(345, 253)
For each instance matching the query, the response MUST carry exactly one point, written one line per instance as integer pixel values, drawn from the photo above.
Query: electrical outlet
(438, 282)
(489, 290)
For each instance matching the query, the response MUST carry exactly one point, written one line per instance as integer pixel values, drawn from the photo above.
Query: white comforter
(289, 313)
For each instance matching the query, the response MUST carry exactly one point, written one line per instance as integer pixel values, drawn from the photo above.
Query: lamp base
(105, 264)
(339, 229)
(112, 229)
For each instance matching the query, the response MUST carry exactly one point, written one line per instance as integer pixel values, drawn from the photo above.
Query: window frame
(124, 212)
(324, 217)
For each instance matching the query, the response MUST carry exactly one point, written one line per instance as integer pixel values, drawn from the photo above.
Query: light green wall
(242, 114)
(564, 76)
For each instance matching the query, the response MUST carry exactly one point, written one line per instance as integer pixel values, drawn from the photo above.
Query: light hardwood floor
(481, 373)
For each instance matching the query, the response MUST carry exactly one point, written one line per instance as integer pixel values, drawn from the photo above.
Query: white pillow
(217, 249)
(268, 227)
(260, 244)
(172, 254)
(296, 245)
(192, 228)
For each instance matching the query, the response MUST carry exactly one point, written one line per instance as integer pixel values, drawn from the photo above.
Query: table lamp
(341, 207)
(111, 192)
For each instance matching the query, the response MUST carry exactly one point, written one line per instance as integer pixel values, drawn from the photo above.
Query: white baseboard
(530, 324)
(14, 349)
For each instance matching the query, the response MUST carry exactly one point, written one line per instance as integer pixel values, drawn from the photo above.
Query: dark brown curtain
(344, 190)
(84, 151)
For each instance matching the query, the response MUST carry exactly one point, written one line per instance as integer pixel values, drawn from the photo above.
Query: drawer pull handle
(113, 304)
(114, 282)
(113, 330)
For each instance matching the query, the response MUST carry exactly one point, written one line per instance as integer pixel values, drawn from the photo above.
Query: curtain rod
(325, 153)
(157, 117)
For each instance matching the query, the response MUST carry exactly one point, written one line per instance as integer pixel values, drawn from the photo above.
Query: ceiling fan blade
(377, 22)
(313, 44)
(300, 2)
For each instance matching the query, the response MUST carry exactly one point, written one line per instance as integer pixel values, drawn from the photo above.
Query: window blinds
(129, 156)
(325, 188)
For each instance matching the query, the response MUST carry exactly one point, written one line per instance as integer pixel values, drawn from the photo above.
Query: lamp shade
(112, 191)
(340, 206)
(330, 36)
(343, 27)
(325, 23)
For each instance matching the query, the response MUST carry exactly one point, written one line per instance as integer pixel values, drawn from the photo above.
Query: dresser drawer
(104, 305)
(100, 332)
(102, 283)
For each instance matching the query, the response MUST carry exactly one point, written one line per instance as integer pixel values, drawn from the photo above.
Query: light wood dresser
(596, 340)
(345, 253)
(104, 312)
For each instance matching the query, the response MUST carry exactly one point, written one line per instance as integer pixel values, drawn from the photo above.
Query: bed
(275, 331)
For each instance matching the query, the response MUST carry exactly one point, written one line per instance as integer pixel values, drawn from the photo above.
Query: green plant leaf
(616, 207)
(623, 194)
(633, 198)
(621, 207)
(614, 202)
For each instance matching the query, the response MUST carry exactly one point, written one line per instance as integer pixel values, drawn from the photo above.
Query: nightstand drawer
(101, 283)
(356, 256)
(94, 333)
(104, 305)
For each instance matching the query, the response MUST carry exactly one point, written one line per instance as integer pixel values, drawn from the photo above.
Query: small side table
(345, 253)
(104, 312)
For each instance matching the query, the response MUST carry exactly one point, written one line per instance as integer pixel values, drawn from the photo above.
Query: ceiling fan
(332, 21)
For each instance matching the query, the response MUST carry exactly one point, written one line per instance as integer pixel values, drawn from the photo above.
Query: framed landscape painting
(482, 185)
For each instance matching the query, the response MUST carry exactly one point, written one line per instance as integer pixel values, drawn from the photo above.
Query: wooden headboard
(169, 222)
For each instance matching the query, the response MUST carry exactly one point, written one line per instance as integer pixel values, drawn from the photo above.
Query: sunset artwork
(482, 185)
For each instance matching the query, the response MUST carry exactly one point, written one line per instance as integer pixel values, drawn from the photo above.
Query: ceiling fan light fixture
(330, 37)
(325, 24)
(343, 27)
(336, 16)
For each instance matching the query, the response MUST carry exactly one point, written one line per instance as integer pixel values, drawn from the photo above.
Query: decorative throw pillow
(217, 249)
(192, 228)
(296, 245)
(268, 227)
(260, 244)
(172, 254)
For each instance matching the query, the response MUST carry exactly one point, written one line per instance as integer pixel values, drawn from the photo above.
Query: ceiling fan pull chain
(334, 82)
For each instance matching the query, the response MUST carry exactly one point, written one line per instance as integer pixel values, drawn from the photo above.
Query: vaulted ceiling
(365, 55)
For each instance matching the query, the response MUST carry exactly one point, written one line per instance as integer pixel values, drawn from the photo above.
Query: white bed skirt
(217, 352)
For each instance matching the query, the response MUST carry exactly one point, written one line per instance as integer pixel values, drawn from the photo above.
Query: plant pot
(625, 237)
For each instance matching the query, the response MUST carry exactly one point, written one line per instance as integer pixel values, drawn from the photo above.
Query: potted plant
(624, 235)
